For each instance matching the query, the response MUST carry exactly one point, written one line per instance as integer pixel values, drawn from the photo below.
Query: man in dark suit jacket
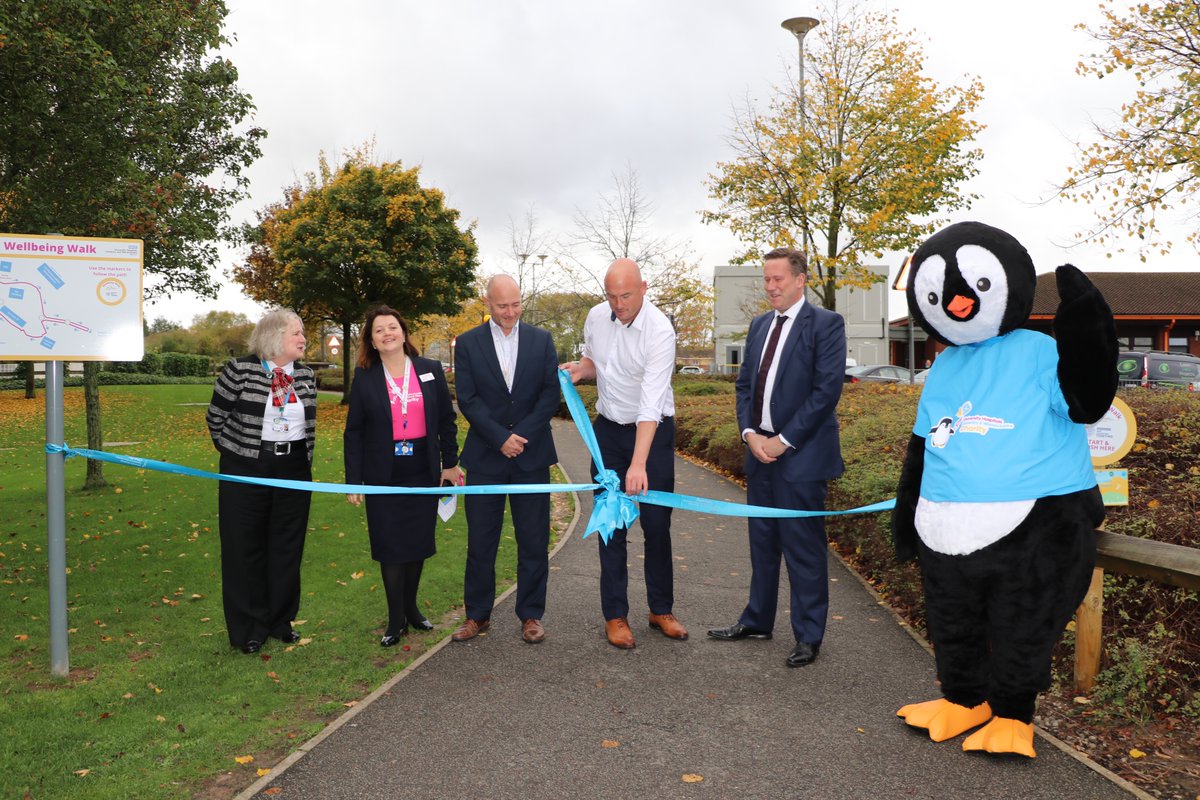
(506, 377)
(787, 389)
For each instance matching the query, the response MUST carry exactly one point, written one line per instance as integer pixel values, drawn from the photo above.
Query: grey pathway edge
(574, 717)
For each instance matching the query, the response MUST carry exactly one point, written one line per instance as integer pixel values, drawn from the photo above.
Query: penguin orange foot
(943, 719)
(1003, 735)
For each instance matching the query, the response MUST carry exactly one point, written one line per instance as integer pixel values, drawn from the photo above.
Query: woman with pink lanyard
(400, 431)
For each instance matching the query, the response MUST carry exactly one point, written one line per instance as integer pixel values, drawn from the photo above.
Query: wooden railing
(1171, 564)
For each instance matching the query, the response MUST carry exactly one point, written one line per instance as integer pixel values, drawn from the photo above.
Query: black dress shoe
(737, 631)
(421, 624)
(291, 637)
(393, 639)
(251, 647)
(803, 654)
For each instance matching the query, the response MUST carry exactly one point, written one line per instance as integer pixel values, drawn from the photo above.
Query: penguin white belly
(956, 529)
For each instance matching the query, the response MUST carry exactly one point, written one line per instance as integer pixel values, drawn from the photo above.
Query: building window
(1177, 344)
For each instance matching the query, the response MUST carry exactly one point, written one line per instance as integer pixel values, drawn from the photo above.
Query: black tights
(400, 582)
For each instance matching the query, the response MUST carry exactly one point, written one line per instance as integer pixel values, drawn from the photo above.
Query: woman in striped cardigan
(263, 421)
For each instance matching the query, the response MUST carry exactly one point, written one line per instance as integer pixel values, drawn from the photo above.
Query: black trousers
(616, 448)
(262, 542)
(531, 525)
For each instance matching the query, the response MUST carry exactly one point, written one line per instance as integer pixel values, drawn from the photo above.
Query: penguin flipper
(904, 525)
(1003, 735)
(943, 719)
(1086, 337)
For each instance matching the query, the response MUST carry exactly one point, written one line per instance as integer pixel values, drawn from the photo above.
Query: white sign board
(65, 298)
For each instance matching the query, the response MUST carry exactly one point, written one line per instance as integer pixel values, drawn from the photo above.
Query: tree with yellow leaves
(361, 234)
(857, 164)
(1148, 162)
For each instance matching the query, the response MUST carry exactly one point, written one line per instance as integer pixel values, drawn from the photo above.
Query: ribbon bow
(611, 508)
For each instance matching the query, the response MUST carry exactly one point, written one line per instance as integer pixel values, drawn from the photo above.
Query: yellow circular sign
(1113, 435)
(111, 292)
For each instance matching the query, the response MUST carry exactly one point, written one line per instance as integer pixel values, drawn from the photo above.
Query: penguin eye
(983, 284)
(933, 298)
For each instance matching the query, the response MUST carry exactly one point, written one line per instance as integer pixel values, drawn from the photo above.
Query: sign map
(65, 298)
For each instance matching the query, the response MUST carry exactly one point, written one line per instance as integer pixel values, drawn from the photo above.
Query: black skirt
(402, 526)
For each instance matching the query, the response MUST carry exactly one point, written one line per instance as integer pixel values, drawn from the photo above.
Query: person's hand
(574, 370)
(757, 444)
(636, 481)
(354, 499)
(513, 446)
(453, 475)
(774, 447)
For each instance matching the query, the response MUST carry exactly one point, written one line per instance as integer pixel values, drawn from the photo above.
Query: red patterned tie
(281, 387)
(760, 387)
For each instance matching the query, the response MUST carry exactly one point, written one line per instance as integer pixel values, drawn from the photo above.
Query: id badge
(279, 425)
(404, 448)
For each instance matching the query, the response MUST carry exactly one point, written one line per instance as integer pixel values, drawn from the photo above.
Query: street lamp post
(799, 26)
(533, 297)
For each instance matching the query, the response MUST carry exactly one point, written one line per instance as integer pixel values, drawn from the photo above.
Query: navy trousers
(800, 543)
(262, 542)
(616, 448)
(531, 524)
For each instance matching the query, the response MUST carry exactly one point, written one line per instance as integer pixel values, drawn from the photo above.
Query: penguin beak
(961, 306)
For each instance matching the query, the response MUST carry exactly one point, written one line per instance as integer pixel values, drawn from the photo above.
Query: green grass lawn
(157, 704)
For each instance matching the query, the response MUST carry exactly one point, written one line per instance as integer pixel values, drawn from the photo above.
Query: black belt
(630, 424)
(280, 448)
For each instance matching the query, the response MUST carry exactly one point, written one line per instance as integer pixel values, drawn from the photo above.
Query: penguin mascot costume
(997, 498)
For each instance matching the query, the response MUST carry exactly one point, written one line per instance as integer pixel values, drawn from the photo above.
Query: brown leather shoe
(470, 629)
(532, 631)
(669, 626)
(619, 634)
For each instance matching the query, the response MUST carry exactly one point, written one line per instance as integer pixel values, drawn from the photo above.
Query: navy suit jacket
(494, 412)
(367, 441)
(808, 383)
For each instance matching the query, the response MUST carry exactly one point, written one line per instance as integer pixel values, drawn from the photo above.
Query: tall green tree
(363, 234)
(856, 164)
(1147, 162)
(120, 120)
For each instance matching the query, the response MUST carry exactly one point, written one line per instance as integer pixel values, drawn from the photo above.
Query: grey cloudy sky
(511, 103)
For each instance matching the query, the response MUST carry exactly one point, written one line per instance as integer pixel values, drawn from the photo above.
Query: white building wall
(739, 298)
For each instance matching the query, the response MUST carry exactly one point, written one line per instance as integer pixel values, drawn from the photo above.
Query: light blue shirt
(996, 424)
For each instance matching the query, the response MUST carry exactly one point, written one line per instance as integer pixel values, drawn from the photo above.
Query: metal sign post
(56, 522)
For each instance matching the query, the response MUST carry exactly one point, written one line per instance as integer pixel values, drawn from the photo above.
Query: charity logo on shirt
(964, 421)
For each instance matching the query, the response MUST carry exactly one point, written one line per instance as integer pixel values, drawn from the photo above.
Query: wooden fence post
(1088, 618)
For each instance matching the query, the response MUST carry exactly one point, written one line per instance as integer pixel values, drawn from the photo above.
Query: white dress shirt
(506, 350)
(791, 313)
(634, 364)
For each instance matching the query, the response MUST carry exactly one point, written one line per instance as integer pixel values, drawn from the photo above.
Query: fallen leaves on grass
(244, 759)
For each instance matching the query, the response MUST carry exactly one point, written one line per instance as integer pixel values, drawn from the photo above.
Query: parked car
(878, 373)
(1156, 369)
(691, 369)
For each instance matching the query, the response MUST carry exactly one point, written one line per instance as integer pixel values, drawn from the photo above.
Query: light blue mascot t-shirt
(996, 424)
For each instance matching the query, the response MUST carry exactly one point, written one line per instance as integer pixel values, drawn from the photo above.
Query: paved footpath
(574, 717)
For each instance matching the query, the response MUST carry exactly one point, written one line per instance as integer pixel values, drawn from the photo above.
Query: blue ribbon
(612, 509)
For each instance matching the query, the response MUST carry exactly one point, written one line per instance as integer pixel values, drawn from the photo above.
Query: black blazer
(494, 412)
(808, 384)
(367, 440)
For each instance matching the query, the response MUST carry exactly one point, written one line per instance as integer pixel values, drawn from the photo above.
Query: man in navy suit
(506, 379)
(787, 389)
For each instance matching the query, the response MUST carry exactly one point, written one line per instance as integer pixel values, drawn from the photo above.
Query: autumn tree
(120, 120)
(1146, 163)
(689, 303)
(858, 164)
(364, 233)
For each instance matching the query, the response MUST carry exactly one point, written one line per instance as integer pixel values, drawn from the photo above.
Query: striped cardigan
(240, 396)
